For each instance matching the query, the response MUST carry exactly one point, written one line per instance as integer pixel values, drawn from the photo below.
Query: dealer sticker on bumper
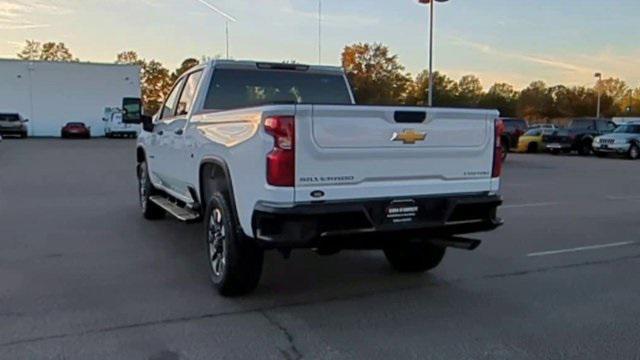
(402, 211)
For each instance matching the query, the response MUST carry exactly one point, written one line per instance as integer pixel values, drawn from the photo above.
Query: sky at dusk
(515, 41)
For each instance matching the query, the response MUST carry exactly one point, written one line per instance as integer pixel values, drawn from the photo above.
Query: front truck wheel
(414, 255)
(150, 210)
(235, 261)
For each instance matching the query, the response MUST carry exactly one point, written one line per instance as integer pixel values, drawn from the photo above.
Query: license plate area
(402, 211)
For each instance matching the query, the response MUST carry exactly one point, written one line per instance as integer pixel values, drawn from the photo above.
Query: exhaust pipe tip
(458, 243)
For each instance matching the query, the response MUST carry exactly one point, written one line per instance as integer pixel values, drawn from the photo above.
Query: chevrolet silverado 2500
(278, 156)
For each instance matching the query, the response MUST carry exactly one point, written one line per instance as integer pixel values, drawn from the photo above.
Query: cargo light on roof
(227, 18)
(431, 13)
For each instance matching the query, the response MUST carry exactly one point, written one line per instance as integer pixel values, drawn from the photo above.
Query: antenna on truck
(227, 18)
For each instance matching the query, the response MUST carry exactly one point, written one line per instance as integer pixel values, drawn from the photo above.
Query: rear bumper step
(365, 224)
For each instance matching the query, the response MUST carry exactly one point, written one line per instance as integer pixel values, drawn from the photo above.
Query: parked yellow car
(532, 140)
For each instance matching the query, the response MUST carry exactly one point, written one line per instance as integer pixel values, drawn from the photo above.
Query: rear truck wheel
(532, 148)
(235, 261)
(414, 255)
(150, 210)
(634, 152)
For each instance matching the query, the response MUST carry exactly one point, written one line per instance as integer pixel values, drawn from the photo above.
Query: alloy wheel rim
(216, 236)
(634, 152)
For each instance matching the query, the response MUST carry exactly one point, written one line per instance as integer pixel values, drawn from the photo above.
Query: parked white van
(114, 127)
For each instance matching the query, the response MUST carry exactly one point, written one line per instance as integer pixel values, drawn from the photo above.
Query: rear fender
(214, 176)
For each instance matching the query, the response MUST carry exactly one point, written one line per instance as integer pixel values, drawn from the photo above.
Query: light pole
(431, 15)
(226, 33)
(319, 32)
(599, 89)
(227, 18)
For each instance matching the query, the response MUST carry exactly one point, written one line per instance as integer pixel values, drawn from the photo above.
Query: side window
(168, 109)
(605, 126)
(189, 93)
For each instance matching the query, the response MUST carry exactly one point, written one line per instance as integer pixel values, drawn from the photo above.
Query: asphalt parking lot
(83, 276)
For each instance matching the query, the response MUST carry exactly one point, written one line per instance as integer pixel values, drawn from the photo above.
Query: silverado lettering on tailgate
(327, 179)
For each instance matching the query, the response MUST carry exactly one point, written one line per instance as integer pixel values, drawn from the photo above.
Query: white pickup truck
(278, 156)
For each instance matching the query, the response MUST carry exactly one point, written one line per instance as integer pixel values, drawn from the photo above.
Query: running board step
(182, 214)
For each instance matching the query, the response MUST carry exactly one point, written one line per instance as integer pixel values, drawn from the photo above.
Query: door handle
(179, 132)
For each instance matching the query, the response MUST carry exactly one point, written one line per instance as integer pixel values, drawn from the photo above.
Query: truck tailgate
(345, 152)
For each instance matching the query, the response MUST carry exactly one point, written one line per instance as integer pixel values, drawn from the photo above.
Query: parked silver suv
(624, 140)
(13, 124)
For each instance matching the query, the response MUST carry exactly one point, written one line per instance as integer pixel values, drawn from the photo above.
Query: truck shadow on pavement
(305, 275)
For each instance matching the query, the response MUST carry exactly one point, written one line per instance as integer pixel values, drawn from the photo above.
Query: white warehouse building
(50, 94)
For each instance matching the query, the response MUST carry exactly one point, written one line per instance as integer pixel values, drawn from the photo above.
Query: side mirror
(131, 111)
(25, 120)
(147, 123)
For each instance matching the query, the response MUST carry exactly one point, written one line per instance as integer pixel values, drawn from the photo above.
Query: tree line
(378, 77)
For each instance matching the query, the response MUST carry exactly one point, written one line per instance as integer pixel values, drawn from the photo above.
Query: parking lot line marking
(582, 248)
(515, 206)
(627, 197)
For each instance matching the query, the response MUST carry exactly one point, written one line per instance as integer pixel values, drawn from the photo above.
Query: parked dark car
(13, 124)
(75, 130)
(578, 136)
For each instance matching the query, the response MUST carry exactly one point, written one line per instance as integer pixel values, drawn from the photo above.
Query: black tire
(532, 148)
(235, 261)
(634, 152)
(414, 256)
(150, 210)
(600, 154)
(585, 148)
(23, 135)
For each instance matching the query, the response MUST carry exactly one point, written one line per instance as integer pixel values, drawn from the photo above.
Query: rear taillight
(281, 160)
(497, 150)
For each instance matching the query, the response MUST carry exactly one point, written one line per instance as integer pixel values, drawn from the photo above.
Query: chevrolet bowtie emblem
(409, 136)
